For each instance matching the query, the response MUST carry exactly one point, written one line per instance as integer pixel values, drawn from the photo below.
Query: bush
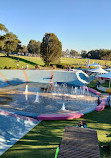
(5, 67)
(62, 66)
(72, 66)
(59, 65)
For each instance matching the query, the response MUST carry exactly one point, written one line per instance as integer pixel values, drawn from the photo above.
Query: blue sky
(79, 24)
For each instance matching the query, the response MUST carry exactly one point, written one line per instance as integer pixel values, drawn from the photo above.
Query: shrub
(5, 67)
(59, 65)
(72, 66)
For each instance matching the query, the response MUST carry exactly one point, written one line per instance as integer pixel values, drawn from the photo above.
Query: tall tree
(2, 30)
(84, 53)
(10, 43)
(34, 47)
(50, 49)
(74, 53)
(24, 49)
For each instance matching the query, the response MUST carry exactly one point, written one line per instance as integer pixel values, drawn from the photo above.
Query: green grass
(42, 141)
(32, 61)
(105, 84)
(76, 61)
(92, 84)
(23, 61)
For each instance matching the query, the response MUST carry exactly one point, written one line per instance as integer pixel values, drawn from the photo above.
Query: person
(36, 66)
(68, 68)
(98, 83)
(84, 124)
(26, 66)
(98, 100)
(17, 66)
(108, 100)
(80, 124)
(52, 76)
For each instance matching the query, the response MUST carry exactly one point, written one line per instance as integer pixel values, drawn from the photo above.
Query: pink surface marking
(94, 91)
(64, 116)
(102, 105)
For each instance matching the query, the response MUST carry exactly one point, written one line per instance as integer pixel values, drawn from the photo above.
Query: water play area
(33, 98)
(26, 97)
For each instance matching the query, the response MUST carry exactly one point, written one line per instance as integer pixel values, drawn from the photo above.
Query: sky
(78, 24)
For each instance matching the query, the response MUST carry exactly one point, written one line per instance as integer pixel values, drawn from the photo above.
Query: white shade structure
(108, 69)
(95, 64)
(106, 76)
(98, 70)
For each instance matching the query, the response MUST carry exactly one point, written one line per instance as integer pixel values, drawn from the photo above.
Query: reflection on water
(46, 99)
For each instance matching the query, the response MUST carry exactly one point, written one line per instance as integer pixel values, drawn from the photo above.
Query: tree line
(103, 54)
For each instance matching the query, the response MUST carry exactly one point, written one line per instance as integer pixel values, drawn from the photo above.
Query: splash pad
(48, 101)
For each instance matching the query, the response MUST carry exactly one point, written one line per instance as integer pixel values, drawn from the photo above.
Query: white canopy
(108, 69)
(98, 70)
(108, 75)
(96, 65)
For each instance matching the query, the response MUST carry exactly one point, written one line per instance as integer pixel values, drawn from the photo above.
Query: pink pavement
(102, 105)
(62, 116)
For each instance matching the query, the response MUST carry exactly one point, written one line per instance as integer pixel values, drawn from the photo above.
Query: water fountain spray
(37, 97)
(26, 89)
(63, 107)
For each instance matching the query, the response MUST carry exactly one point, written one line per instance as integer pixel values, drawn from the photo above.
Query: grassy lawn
(92, 84)
(42, 141)
(23, 61)
(105, 84)
(32, 61)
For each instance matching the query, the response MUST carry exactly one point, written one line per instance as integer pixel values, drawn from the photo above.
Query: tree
(84, 53)
(2, 29)
(34, 47)
(50, 49)
(1, 43)
(74, 53)
(10, 43)
(24, 49)
(63, 53)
